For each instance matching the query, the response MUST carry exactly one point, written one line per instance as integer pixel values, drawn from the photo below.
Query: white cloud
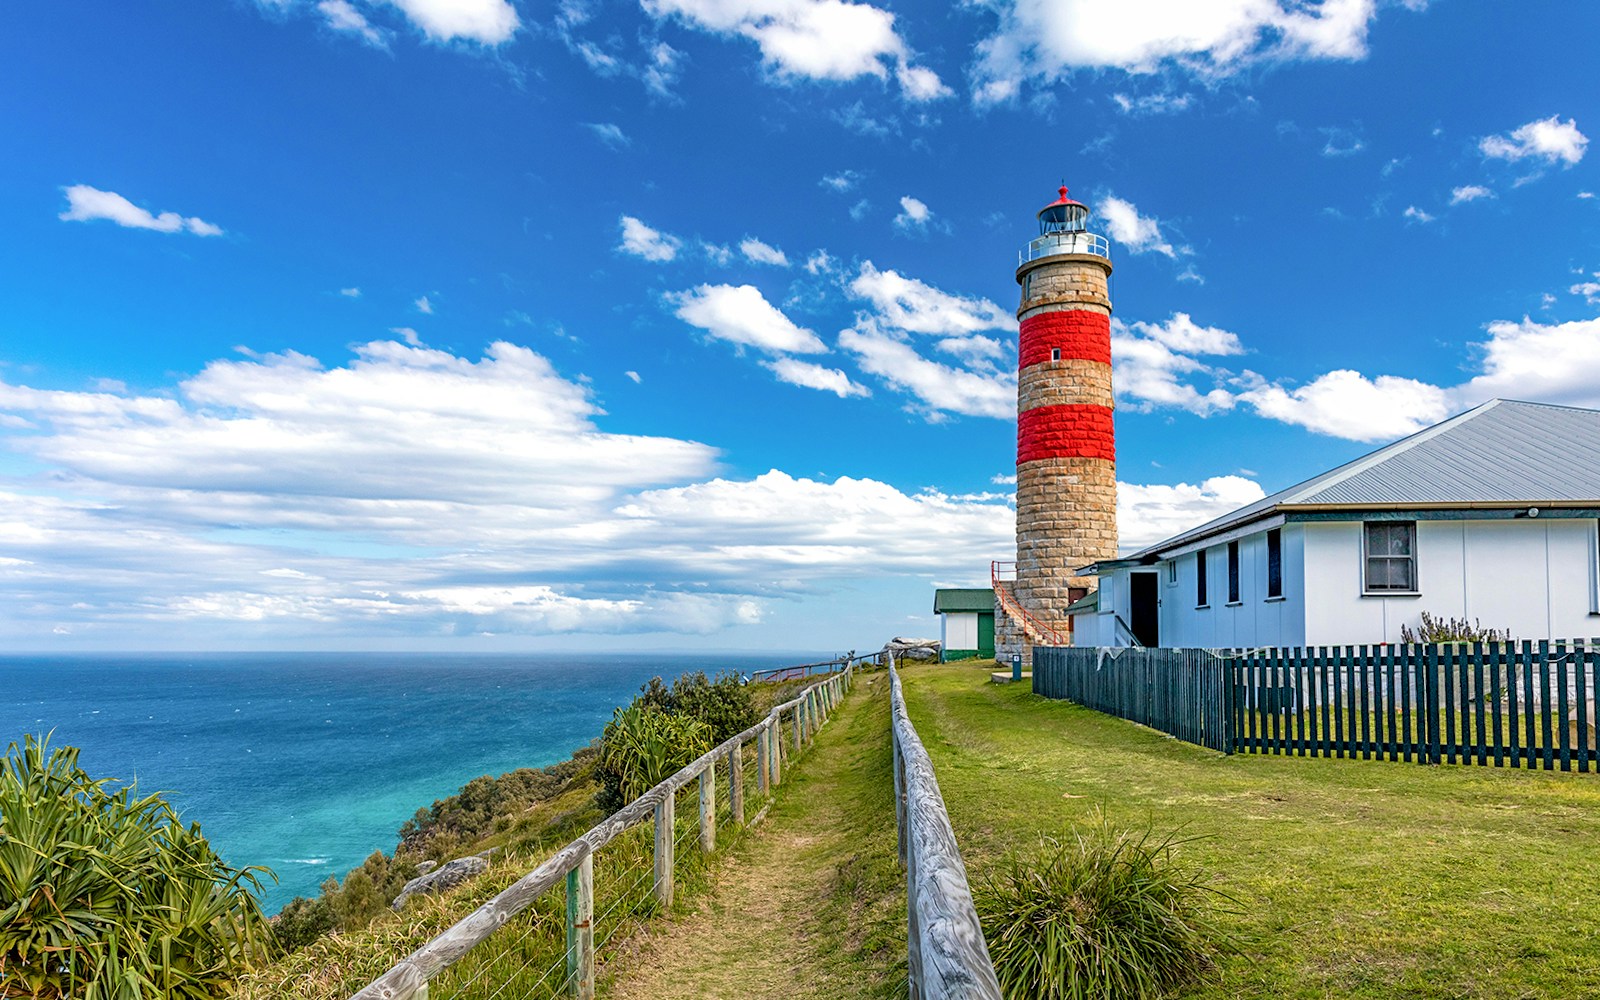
(490, 22)
(85, 204)
(1152, 104)
(639, 240)
(813, 39)
(1552, 363)
(842, 181)
(1138, 233)
(937, 388)
(1585, 195)
(424, 306)
(407, 334)
(1350, 405)
(1547, 139)
(908, 304)
(1469, 192)
(610, 134)
(716, 253)
(341, 16)
(758, 252)
(1590, 290)
(633, 376)
(350, 293)
(1046, 41)
(1148, 514)
(1416, 214)
(1339, 141)
(742, 315)
(813, 376)
(1004, 480)
(1152, 364)
(820, 262)
(914, 215)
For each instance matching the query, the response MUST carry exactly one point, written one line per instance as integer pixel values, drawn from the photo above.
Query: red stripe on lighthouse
(1079, 333)
(1070, 431)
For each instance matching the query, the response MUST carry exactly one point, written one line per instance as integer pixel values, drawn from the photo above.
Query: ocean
(308, 762)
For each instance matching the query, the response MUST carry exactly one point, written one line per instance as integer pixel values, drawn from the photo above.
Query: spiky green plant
(1108, 915)
(107, 895)
(643, 745)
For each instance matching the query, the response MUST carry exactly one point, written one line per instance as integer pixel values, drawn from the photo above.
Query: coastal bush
(1110, 915)
(107, 895)
(1435, 628)
(724, 704)
(485, 805)
(642, 745)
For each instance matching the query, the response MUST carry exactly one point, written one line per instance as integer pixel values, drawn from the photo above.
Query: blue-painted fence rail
(1528, 704)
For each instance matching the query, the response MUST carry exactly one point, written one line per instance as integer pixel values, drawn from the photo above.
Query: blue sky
(489, 324)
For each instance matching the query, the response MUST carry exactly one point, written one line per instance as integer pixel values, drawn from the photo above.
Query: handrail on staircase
(1002, 573)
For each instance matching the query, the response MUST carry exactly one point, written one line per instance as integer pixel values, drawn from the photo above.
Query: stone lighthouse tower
(1066, 454)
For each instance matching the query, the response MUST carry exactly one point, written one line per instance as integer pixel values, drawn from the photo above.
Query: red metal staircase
(1003, 575)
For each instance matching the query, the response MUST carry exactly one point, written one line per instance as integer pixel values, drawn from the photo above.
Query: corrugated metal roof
(1501, 453)
(976, 599)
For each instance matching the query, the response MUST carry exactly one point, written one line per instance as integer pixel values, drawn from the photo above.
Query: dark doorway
(1146, 623)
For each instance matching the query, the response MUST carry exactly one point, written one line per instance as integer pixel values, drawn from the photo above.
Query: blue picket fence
(1502, 704)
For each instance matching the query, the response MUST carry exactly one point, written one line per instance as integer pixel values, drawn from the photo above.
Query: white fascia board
(1223, 537)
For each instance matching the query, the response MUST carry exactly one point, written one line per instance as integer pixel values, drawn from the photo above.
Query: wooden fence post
(775, 757)
(763, 769)
(799, 729)
(736, 782)
(708, 808)
(664, 848)
(580, 928)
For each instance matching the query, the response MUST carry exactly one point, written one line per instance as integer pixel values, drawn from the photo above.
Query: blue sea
(306, 762)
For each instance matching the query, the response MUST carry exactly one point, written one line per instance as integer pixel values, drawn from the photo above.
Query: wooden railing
(408, 979)
(946, 954)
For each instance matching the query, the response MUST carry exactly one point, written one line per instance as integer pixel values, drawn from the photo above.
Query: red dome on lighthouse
(1063, 215)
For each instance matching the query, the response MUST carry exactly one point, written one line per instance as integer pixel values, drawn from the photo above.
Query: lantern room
(1064, 229)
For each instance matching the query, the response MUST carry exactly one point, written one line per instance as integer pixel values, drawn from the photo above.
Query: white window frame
(1416, 564)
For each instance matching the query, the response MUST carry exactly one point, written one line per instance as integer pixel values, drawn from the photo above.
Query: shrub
(1111, 915)
(484, 805)
(1436, 629)
(643, 745)
(723, 704)
(106, 895)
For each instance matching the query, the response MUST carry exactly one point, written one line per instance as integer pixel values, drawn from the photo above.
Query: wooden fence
(1525, 704)
(574, 864)
(946, 953)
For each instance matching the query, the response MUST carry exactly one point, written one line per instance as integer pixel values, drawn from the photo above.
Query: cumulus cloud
(1416, 214)
(350, 293)
(813, 39)
(1551, 363)
(936, 388)
(87, 204)
(1152, 104)
(1154, 364)
(1549, 140)
(1590, 290)
(1469, 192)
(842, 181)
(758, 252)
(1148, 514)
(423, 305)
(741, 315)
(412, 492)
(639, 240)
(1136, 233)
(490, 22)
(1350, 405)
(909, 304)
(1048, 41)
(342, 17)
(914, 215)
(814, 376)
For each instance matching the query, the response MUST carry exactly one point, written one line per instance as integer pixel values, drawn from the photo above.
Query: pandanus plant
(107, 895)
(644, 745)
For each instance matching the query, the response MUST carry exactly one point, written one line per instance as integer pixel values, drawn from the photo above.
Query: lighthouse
(1066, 446)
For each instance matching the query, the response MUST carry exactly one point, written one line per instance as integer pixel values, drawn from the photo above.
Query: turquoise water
(307, 763)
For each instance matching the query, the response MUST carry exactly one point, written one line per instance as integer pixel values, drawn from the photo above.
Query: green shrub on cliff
(487, 805)
(723, 704)
(107, 895)
(643, 745)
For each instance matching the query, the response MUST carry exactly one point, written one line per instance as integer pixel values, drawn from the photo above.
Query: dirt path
(793, 903)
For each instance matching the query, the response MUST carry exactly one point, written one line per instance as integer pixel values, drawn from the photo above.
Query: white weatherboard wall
(958, 630)
(1535, 576)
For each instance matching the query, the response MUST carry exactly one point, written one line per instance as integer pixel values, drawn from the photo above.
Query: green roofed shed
(966, 623)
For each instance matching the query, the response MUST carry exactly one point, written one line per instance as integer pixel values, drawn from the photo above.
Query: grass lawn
(1359, 879)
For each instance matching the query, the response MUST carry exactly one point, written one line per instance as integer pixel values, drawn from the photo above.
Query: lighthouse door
(1144, 612)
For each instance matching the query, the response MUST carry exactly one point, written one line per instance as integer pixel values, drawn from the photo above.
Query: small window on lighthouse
(1055, 354)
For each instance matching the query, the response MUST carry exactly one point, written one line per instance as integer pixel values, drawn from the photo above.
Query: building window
(1172, 573)
(1233, 572)
(1055, 354)
(1027, 285)
(1200, 579)
(1275, 563)
(1391, 556)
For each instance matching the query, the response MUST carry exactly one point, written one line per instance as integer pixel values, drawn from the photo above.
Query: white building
(1492, 515)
